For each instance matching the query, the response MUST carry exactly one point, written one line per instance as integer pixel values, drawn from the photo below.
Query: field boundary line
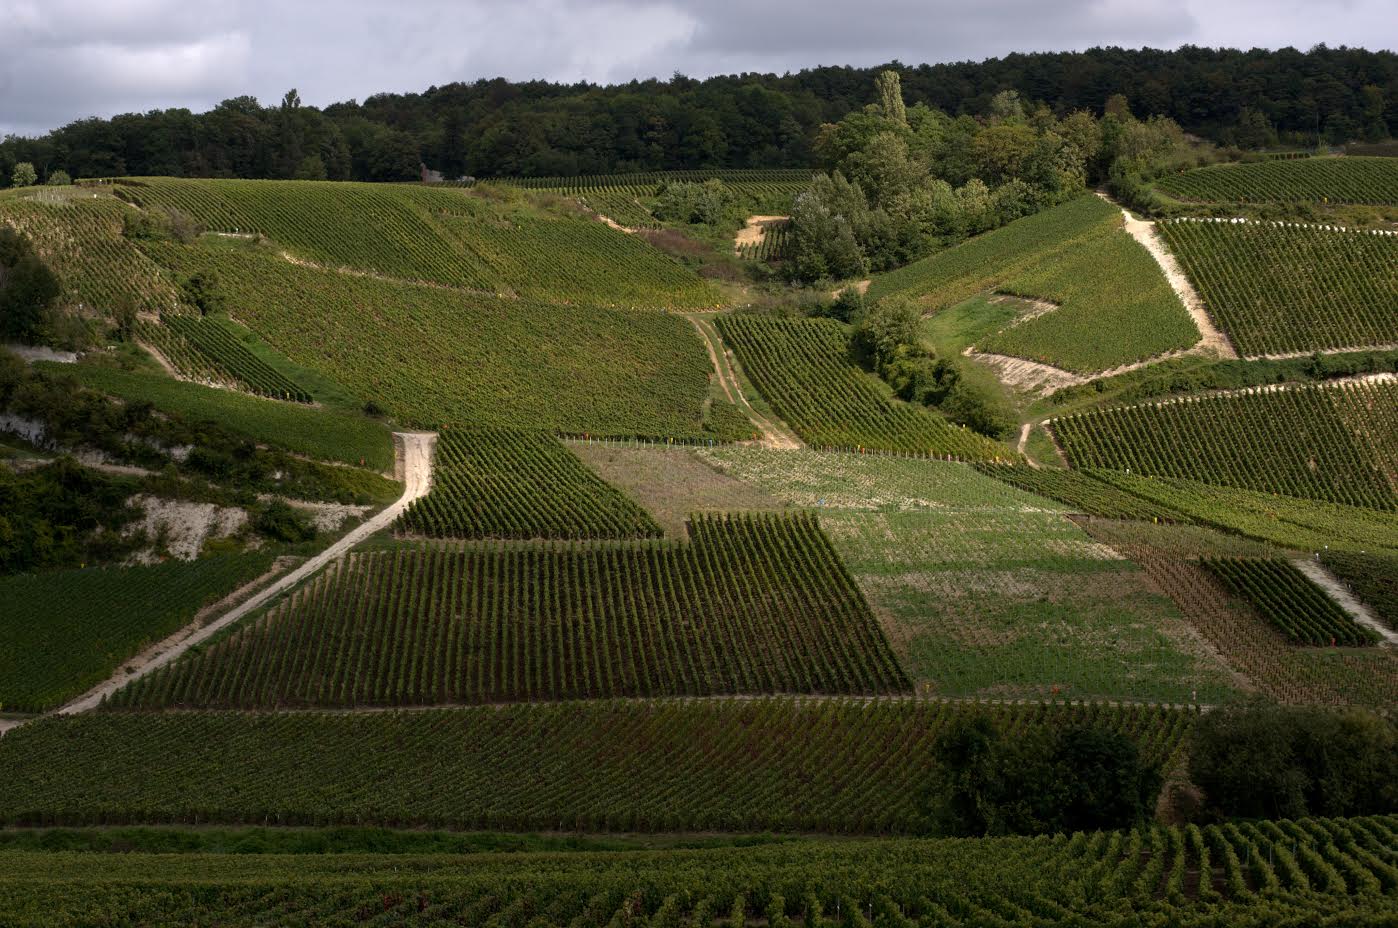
(416, 448)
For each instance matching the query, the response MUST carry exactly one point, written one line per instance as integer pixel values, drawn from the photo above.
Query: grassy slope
(320, 433)
(63, 632)
(1114, 305)
(437, 357)
(986, 590)
(498, 240)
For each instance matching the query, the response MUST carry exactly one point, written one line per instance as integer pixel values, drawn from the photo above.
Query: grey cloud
(65, 59)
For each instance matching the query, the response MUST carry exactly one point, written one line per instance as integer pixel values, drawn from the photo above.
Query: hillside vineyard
(952, 496)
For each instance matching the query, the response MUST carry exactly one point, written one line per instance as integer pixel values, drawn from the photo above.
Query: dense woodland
(494, 127)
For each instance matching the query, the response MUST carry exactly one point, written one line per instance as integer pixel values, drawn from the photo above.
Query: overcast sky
(62, 60)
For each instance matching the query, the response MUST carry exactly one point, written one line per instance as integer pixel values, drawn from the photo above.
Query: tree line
(496, 127)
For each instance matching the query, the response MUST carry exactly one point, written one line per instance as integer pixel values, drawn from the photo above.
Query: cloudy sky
(61, 60)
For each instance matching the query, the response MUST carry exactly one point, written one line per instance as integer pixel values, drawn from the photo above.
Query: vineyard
(766, 764)
(212, 338)
(321, 433)
(1082, 492)
(1288, 521)
(1367, 181)
(775, 245)
(1265, 439)
(1331, 871)
(61, 633)
(986, 591)
(1251, 644)
(1372, 578)
(79, 234)
(503, 483)
(754, 604)
(434, 357)
(451, 237)
(1112, 305)
(1286, 288)
(801, 367)
(1291, 602)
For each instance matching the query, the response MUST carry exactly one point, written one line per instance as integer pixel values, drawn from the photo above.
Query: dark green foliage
(493, 127)
(989, 781)
(508, 483)
(1373, 578)
(61, 515)
(63, 632)
(1271, 761)
(751, 605)
(27, 288)
(201, 290)
(683, 201)
(281, 522)
(1290, 601)
(768, 763)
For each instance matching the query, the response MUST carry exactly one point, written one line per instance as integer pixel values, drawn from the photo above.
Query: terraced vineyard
(1291, 602)
(1262, 439)
(504, 483)
(61, 633)
(1292, 872)
(222, 349)
(1358, 180)
(755, 604)
(448, 236)
(1286, 288)
(801, 367)
(767, 764)
(436, 357)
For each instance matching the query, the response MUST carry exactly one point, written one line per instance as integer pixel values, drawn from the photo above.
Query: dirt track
(416, 450)
(1322, 578)
(773, 435)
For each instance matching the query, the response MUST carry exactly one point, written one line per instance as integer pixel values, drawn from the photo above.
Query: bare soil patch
(671, 483)
(754, 232)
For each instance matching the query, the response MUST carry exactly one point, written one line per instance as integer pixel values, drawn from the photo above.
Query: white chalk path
(1337, 591)
(417, 476)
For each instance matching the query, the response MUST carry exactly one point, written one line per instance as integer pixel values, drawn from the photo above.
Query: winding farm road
(416, 471)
